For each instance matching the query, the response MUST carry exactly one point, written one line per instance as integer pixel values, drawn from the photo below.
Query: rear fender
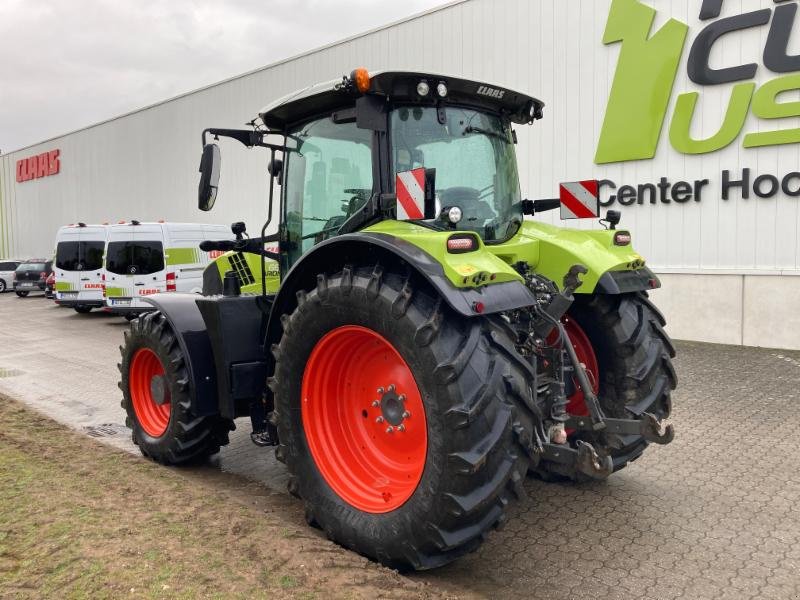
(379, 247)
(612, 269)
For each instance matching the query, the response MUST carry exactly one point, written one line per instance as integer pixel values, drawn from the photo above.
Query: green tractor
(411, 345)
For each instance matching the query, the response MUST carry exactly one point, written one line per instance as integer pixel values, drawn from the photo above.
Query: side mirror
(275, 168)
(209, 177)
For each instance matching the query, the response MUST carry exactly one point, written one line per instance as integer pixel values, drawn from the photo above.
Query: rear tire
(633, 353)
(23, 294)
(83, 310)
(169, 433)
(467, 373)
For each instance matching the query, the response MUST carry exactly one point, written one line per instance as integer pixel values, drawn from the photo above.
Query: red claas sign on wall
(41, 165)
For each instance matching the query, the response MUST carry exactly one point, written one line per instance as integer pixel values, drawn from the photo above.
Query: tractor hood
(400, 87)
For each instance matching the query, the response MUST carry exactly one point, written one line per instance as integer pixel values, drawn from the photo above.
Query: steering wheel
(469, 201)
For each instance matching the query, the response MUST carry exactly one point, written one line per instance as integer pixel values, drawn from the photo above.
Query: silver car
(7, 268)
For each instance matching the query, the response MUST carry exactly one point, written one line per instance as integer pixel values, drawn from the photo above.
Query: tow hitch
(648, 426)
(583, 458)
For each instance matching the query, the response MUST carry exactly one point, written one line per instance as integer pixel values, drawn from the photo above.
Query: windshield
(79, 256)
(476, 168)
(135, 258)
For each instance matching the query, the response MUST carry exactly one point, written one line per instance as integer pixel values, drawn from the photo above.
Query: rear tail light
(622, 238)
(459, 243)
(171, 287)
(103, 283)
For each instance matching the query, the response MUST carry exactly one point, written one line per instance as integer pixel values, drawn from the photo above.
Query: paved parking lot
(716, 514)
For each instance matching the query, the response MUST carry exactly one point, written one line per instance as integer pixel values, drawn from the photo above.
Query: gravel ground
(712, 515)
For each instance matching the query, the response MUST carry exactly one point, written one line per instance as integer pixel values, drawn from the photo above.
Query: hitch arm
(596, 415)
(649, 427)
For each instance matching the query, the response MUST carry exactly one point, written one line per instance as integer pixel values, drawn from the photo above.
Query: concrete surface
(716, 514)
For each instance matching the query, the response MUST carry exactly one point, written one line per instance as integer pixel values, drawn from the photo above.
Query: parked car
(50, 284)
(7, 268)
(31, 276)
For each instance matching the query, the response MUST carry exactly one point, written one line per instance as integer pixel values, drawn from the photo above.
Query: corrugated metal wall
(144, 165)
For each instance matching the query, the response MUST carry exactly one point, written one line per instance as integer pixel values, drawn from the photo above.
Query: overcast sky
(65, 65)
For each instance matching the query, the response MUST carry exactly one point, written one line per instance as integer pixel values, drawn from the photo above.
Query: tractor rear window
(135, 258)
(79, 256)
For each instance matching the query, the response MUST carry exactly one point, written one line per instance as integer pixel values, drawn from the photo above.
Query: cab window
(328, 178)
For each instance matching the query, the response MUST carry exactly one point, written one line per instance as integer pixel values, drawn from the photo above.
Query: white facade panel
(144, 165)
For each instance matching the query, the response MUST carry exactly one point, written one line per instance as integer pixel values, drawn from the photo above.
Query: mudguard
(378, 246)
(187, 322)
(551, 251)
(221, 341)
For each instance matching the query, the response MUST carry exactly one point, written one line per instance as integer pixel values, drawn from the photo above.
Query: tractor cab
(348, 145)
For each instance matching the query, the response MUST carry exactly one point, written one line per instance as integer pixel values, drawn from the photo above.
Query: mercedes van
(148, 258)
(78, 266)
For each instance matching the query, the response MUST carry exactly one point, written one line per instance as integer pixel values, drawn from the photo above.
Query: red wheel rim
(576, 403)
(153, 417)
(368, 443)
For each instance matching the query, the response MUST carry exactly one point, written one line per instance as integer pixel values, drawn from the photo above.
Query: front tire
(414, 498)
(155, 396)
(2, 286)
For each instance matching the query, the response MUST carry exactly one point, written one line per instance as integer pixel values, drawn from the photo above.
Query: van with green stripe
(142, 259)
(78, 266)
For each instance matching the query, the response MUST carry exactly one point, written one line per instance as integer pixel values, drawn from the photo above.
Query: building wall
(729, 267)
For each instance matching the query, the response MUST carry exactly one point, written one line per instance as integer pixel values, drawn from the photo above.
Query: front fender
(552, 250)
(184, 317)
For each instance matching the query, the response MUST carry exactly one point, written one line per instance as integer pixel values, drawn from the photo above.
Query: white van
(78, 266)
(147, 258)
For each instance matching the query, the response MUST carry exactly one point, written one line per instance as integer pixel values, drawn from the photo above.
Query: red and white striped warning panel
(580, 200)
(410, 190)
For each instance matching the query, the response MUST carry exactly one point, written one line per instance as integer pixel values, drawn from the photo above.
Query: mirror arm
(266, 224)
(247, 137)
(531, 207)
